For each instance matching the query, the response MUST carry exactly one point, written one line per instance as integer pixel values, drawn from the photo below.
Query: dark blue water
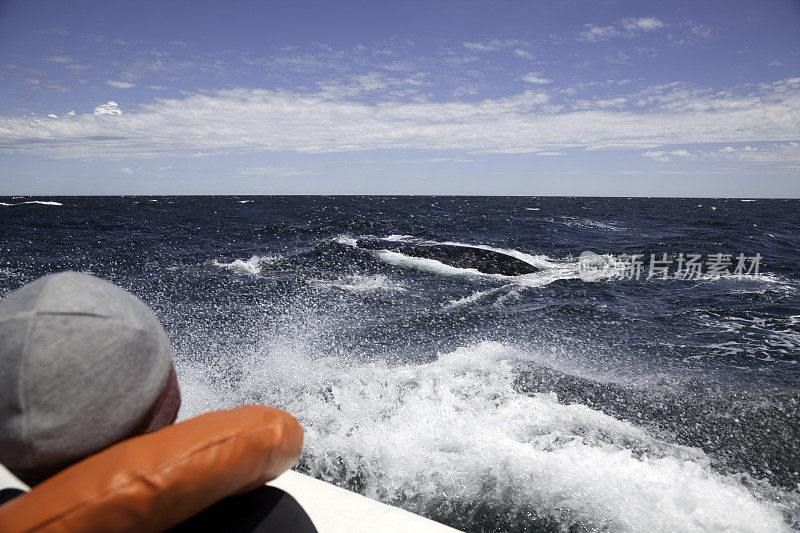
(491, 403)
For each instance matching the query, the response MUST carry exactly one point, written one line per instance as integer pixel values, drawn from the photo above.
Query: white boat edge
(10, 481)
(332, 509)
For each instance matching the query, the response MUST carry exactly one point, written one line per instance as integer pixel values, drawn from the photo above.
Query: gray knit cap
(82, 364)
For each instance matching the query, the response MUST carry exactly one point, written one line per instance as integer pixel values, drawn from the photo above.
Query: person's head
(83, 364)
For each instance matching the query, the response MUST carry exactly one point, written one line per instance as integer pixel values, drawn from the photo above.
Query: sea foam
(252, 266)
(39, 202)
(455, 433)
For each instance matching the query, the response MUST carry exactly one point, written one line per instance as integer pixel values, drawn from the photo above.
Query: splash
(252, 266)
(456, 433)
(360, 284)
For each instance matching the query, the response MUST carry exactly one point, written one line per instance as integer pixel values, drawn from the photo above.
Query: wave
(766, 339)
(506, 295)
(39, 202)
(473, 298)
(253, 266)
(550, 270)
(347, 240)
(455, 440)
(426, 265)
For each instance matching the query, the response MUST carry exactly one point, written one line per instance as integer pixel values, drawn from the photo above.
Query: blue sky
(601, 98)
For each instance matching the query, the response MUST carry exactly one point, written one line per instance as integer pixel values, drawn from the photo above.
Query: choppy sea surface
(540, 402)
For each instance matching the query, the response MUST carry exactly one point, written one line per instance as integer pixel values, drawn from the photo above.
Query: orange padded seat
(155, 481)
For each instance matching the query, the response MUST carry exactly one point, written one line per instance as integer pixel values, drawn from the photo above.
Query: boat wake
(454, 439)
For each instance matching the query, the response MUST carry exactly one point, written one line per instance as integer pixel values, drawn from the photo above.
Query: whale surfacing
(485, 261)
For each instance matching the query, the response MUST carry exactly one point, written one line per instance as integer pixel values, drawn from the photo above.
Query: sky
(693, 98)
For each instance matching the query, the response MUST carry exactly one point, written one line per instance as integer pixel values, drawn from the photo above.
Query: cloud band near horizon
(326, 121)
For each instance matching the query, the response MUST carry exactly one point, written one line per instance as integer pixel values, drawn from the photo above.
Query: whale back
(482, 260)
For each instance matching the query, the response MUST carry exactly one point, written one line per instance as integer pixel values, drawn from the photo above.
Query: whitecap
(426, 265)
(472, 298)
(252, 266)
(403, 238)
(39, 202)
(456, 431)
(347, 240)
(591, 224)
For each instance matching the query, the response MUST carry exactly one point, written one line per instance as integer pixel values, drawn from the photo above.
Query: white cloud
(274, 171)
(642, 24)
(619, 102)
(620, 58)
(372, 82)
(775, 63)
(657, 155)
(489, 46)
(524, 54)
(38, 83)
(772, 153)
(463, 90)
(127, 171)
(58, 59)
(109, 108)
(53, 31)
(120, 84)
(258, 120)
(536, 78)
(701, 31)
(548, 154)
(594, 33)
(695, 33)
(627, 28)
(410, 161)
(459, 60)
(663, 156)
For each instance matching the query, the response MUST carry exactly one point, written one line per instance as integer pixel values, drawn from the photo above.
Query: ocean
(637, 395)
